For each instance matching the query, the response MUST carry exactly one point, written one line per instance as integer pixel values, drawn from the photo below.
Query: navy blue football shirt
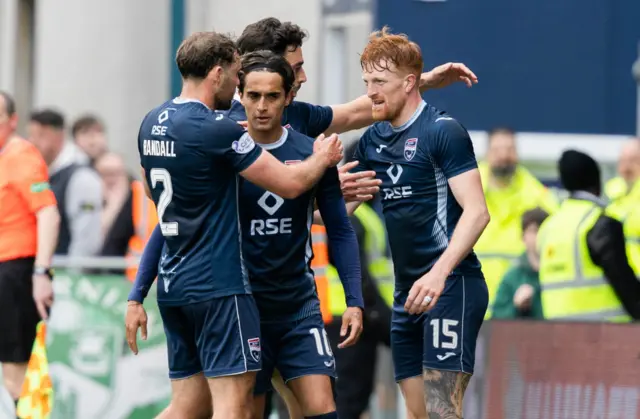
(414, 162)
(191, 157)
(308, 119)
(277, 235)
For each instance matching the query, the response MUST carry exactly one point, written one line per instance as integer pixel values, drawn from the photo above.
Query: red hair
(385, 48)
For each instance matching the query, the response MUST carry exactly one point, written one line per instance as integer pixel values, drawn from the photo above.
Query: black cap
(579, 172)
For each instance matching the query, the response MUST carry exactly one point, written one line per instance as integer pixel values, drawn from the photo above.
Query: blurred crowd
(570, 259)
(103, 207)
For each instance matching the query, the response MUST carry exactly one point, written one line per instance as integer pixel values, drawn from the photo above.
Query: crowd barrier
(524, 369)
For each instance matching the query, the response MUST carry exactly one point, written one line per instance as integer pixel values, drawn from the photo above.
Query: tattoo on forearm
(443, 393)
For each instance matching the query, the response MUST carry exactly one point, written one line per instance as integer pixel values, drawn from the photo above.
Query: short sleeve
(33, 182)
(226, 139)
(317, 118)
(452, 148)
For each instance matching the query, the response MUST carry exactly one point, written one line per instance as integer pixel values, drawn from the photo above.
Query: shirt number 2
(163, 176)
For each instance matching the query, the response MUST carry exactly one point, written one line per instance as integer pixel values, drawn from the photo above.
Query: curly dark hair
(271, 34)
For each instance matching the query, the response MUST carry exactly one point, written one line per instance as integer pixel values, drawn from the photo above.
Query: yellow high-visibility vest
(375, 245)
(573, 287)
(501, 242)
(627, 210)
(616, 188)
(631, 225)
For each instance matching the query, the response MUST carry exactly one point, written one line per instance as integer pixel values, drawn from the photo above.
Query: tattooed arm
(443, 393)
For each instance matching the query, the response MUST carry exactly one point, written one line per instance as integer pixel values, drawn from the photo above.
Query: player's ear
(216, 74)
(409, 83)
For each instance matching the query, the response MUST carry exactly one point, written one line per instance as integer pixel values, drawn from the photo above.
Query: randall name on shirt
(160, 148)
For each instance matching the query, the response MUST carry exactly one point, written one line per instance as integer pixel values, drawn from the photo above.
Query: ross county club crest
(254, 348)
(410, 147)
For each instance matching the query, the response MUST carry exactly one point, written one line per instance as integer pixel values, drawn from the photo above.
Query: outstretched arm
(357, 113)
(291, 181)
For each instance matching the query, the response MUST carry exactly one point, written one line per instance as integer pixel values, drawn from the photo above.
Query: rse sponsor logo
(159, 130)
(394, 171)
(268, 208)
(397, 192)
(271, 226)
(164, 115)
(254, 348)
(244, 145)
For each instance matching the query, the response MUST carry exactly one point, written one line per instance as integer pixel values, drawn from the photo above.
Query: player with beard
(286, 39)
(191, 158)
(276, 248)
(434, 211)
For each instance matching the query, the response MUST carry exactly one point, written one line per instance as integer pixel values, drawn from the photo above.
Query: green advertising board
(94, 374)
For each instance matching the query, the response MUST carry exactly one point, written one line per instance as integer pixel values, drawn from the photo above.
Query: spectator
(78, 188)
(628, 171)
(626, 207)
(584, 272)
(129, 216)
(117, 214)
(89, 135)
(518, 295)
(510, 190)
(29, 223)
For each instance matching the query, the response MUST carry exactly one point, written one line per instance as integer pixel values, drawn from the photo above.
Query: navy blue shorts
(443, 338)
(296, 349)
(218, 337)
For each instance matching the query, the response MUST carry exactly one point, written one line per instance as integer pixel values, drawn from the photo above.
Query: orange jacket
(145, 219)
(319, 265)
